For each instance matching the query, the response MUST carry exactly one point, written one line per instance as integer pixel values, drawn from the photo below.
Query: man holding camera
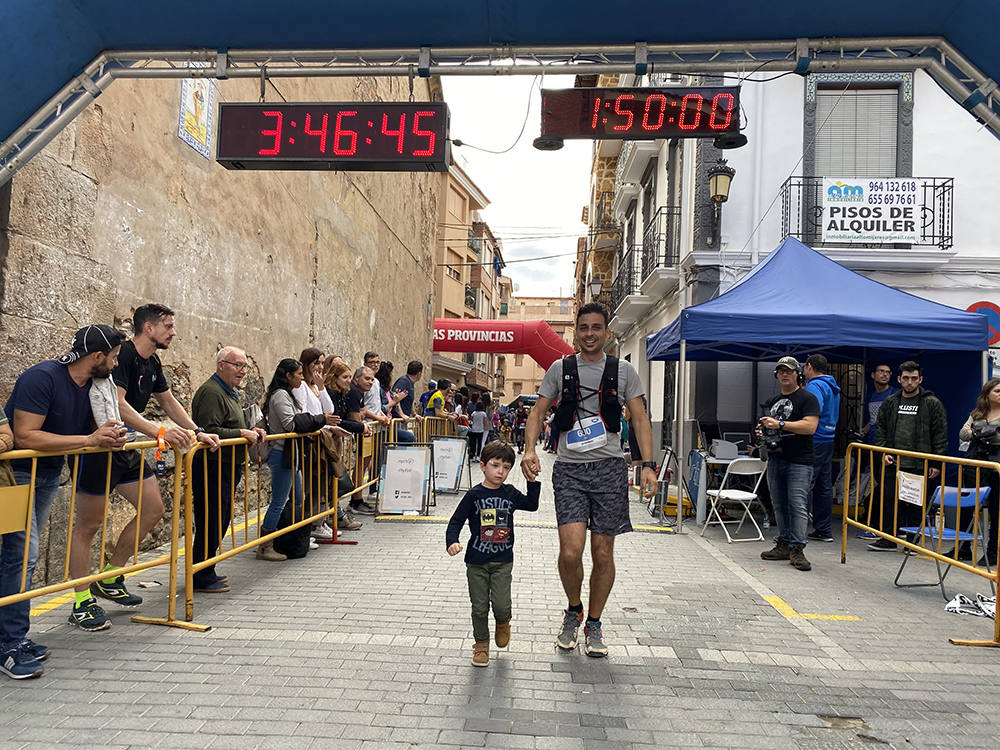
(787, 432)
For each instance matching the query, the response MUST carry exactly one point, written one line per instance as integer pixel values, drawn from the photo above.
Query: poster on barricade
(406, 478)
(911, 488)
(449, 462)
(866, 209)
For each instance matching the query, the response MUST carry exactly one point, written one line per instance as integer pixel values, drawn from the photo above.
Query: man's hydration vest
(569, 395)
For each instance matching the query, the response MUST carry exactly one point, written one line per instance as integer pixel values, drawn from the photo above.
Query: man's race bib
(588, 436)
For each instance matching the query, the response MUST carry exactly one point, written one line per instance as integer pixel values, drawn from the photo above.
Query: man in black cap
(49, 410)
(791, 420)
(137, 377)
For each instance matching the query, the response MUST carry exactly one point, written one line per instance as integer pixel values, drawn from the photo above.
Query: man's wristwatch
(649, 465)
(781, 424)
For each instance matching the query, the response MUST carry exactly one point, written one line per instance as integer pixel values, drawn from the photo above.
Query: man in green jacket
(216, 408)
(912, 419)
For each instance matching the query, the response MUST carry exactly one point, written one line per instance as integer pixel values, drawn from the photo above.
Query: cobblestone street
(369, 647)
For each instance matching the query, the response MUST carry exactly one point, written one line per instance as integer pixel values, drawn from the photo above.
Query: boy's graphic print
(494, 525)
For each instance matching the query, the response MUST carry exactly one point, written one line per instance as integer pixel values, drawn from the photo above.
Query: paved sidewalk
(369, 647)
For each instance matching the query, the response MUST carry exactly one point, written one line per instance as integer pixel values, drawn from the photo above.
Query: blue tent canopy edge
(798, 299)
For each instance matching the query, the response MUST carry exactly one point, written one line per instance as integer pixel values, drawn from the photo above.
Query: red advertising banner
(532, 337)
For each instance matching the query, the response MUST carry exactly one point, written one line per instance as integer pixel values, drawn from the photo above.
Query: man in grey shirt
(590, 478)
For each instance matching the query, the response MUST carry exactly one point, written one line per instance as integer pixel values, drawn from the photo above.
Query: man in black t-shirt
(137, 376)
(791, 420)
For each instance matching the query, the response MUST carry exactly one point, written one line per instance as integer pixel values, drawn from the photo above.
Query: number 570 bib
(587, 436)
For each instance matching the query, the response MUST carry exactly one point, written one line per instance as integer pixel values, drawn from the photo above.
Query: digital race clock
(376, 136)
(640, 113)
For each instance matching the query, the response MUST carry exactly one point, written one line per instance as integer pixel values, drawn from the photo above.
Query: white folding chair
(744, 468)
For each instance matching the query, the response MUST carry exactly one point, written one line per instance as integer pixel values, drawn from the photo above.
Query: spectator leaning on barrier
(426, 395)
(982, 430)
(314, 398)
(338, 385)
(788, 429)
(361, 384)
(822, 385)
(283, 414)
(123, 397)
(49, 410)
(590, 479)
(912, 419)
(216, 409)
(406, 408)
(390, 399)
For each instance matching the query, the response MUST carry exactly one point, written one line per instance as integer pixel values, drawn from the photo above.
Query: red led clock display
(391, 136)
(641, 113)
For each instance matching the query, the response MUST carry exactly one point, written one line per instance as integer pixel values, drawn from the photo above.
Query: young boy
(489, 508)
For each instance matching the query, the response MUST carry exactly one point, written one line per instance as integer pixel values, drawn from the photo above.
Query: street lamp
(595, 287)
(720, 177)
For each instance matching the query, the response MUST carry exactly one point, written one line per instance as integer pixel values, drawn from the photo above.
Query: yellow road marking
(786, 611)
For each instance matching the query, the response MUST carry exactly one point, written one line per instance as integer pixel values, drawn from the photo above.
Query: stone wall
(118, 211)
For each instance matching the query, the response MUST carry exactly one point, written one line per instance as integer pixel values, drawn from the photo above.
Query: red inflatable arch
(532, 337)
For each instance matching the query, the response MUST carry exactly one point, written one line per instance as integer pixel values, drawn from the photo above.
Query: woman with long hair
(315, 399)
(982, 430)
(338, 385)
(284, 414)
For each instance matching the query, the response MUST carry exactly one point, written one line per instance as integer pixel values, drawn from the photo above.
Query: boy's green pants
(489, 583)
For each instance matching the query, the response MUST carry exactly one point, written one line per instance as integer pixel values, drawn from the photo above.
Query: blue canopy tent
(799, 302)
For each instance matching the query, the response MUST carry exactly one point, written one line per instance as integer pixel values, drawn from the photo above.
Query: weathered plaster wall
(118, 211)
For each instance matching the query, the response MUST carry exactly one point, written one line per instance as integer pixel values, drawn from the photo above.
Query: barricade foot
(961, 642)
(172, 623)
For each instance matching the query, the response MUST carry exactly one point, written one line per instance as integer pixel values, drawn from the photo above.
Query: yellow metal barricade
(319, 502)
(873, 459)
(17, 515)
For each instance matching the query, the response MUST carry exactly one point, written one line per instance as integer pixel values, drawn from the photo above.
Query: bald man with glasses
(216, 409)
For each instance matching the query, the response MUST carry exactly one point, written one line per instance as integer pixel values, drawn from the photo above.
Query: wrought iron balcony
(604, 213)
(470, 297)
(802, 213)
(661, 240)
(627, 280)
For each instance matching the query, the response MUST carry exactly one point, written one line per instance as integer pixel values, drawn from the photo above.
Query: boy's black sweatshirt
(490, 514)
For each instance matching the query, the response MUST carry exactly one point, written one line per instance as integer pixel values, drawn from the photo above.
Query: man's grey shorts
(595, 493)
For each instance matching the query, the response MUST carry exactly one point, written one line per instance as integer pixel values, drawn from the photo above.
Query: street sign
(992, 313)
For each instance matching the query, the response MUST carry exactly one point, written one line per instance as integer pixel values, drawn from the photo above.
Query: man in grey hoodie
(822, 385)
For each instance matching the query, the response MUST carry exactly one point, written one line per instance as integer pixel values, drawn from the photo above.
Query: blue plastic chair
(948, 502)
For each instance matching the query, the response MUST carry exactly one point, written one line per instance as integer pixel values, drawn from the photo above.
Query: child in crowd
(489, 508)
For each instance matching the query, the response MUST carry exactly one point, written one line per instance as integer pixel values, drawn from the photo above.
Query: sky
(536, 197)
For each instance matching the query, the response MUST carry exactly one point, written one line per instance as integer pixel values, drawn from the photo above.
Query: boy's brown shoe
(502, 634)
(481, 654)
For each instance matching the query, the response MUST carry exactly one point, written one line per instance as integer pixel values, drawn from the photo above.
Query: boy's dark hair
(151, 313)
(444, 384)
(909, 366)
(819, 363)
(594, 307)
(415, 367)
(497, 449)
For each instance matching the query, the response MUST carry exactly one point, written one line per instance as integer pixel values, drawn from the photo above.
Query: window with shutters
(856, 132)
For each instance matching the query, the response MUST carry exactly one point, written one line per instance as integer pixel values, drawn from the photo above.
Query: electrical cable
(527, 114)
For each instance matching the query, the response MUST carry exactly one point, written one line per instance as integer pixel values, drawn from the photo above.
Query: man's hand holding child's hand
(454, 549)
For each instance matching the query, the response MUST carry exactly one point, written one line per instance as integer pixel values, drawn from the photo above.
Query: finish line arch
(536, 338)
